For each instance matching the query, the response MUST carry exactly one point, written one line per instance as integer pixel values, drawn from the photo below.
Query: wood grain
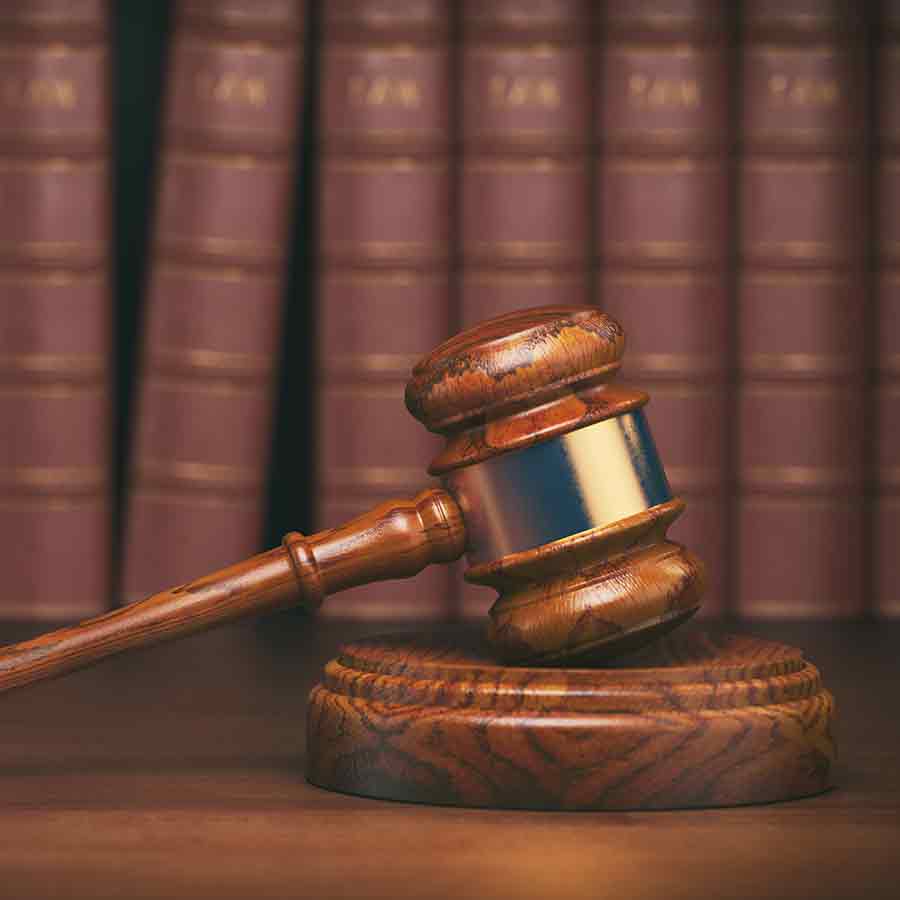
(692, 721)
(177, 771)
(394, 540)
(518, 379)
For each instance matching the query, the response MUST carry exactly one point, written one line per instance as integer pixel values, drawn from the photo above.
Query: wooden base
(693, 720)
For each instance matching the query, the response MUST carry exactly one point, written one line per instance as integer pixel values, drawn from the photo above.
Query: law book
(663, 243)
(211, 324)
(383, 294)
(886, 241)
(54, 309)
(801, 309)
(523, 176)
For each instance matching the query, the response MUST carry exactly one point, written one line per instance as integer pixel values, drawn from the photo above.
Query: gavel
(552, 487)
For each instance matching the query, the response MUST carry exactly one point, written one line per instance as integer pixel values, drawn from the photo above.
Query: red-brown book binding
(662, 242)
(523, 181)
(213, 310)
(383, 296)
(54, 309)
(886, 595)
(801, 312)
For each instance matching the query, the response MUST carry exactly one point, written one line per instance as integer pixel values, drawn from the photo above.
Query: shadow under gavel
(552, 487)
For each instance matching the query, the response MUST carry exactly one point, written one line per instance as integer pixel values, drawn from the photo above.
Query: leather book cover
(524, 215)
(886, 240)
(383, 295)
(54, 309)
(662, 243)
(801, 311)
(212, 317)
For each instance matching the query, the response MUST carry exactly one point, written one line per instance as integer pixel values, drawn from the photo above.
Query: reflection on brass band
(57, 363)
(212, 360)
(388, 164)
(680, 165)
(200, 384)
(195, 473)
(795, 279)
(55, 278)
(41, 478)
(54, 164)
(675, 363)
(374, 476)
(584, 479)
(806, 363)
(224, 160)
(228, 499)
(399, 364)
(813, 166)
(660, 279)
(798, 476)
(232, 274)
(511, 164)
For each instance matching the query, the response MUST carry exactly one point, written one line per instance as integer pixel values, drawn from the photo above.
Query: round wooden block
(694, 720)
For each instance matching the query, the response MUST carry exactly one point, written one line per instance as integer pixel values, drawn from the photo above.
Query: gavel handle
(394, 540)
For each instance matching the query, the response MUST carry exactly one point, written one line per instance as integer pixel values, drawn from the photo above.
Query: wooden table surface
(178, 772)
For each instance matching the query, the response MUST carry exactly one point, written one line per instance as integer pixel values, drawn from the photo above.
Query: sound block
(693, 720)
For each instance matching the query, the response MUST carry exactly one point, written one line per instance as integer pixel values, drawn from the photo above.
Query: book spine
(662, 243)
(213, 308)
(524, 175)
(383, 296)
(886, 594)
(801, 312)
(54, 309)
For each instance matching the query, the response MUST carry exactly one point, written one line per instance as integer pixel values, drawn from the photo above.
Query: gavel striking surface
(692, 720)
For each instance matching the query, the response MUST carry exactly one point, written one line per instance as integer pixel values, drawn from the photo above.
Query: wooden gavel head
(565, 501)
(553, 488)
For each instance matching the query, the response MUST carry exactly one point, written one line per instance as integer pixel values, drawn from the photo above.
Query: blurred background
(231, 227)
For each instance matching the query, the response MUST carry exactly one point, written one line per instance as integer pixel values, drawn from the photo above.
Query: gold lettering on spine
(803, 90)
(646, 91)
(523, 90)
(232, 88)
(24, 93)
(384, 90)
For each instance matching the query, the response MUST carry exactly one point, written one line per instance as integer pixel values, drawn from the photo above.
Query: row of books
(700, 169)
